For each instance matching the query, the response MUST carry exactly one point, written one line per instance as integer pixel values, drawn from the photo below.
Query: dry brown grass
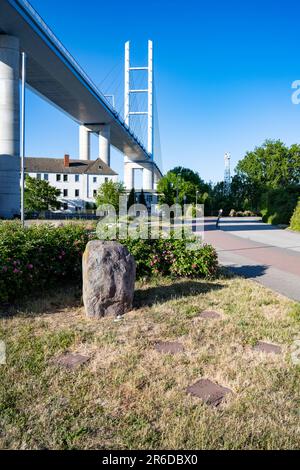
(130, 396)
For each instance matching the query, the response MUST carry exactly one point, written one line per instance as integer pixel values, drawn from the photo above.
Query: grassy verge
(130, 396)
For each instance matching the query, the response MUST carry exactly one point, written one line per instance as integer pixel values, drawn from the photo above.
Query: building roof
(56, 165)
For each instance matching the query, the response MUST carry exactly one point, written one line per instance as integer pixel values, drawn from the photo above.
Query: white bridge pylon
(150, 172)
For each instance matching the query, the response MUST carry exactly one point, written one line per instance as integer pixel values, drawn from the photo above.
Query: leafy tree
(109, 193)
(131, 198)
(184, 183)
(39, 195)
(191, 176)
(90, 206)
(244, 193)
(142, 199)
(273, 165)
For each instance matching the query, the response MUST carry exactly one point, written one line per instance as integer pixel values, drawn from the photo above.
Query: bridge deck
(54, 74)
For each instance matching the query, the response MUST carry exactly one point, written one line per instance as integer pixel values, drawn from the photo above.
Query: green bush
(295, 220)
(277, 205)
(39, 257)
(42, 256)
(183, 257)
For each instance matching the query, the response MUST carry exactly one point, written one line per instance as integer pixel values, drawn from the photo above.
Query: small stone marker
(211, 393)
(71, 360)
(169, 347)
(267, 347)
(209, 314)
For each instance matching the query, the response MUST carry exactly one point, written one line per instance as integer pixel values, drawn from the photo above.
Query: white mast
(227, 177)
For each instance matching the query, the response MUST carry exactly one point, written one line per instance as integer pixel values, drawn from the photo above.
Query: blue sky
(223, 74)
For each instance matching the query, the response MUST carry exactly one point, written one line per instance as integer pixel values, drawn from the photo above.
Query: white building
(77, 180)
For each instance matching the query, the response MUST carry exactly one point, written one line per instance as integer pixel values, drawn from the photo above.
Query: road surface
(258, 251)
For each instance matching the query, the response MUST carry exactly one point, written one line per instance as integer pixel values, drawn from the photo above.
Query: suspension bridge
(30, 50)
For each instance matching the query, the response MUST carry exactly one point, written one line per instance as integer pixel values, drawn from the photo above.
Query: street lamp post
(22, 146)
(178, 179)
(197, 192)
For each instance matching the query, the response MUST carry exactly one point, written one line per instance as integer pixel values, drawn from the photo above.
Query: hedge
(43, 256)
(295, 220)
(277, 205)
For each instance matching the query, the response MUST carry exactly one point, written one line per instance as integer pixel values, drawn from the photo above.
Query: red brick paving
(280, 258)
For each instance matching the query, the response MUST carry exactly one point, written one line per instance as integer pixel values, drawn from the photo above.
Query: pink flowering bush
(42, 256)
(184, 257)
(39, 257)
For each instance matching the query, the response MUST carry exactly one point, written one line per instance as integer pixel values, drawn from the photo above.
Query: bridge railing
(46, 30)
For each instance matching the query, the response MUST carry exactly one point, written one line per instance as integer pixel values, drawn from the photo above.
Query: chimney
(66, 161)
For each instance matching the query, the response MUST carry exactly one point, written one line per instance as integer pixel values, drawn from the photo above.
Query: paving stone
(209, 314)
(71, 360)
(267, 347)
(169, 347)
(210, 392)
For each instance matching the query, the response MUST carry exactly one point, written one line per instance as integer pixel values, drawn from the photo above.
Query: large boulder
(108, 278)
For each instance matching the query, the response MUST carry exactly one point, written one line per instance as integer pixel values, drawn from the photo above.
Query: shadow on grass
(44, 303)
(70, 297)
(176, 290)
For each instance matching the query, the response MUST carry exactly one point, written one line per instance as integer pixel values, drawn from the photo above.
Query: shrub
(43, 256)
(277, 205)
(234, 213)
(183, 257)
(295, 220)
(39, 257)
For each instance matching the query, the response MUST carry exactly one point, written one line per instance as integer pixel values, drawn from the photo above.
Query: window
(76, 192)
(76, 178)
(95, 192)
(65, 177)
(106, 179)
(58, 177)
(65, 193)
(38, 176)
(46, 176)
(94, 179)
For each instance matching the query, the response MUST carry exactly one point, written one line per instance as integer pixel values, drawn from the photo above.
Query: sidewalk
(258, 251)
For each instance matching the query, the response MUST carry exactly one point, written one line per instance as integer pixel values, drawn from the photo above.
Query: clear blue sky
(223, 73)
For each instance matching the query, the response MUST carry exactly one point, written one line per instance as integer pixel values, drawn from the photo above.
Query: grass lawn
(129, 396)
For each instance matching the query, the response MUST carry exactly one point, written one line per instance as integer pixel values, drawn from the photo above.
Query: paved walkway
(258, 251)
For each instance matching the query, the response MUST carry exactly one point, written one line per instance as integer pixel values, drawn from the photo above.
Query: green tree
(182, 182)
(272, 165)
(142, 199)
(39, 195)
(131, 198)
(244, 193)
(191, 176)
(109, 193)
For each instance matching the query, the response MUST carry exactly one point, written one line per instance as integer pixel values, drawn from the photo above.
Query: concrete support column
(147, 177)
(155, 181)
(84, 143)
(104, 144)
(128, 174)
(10, 195)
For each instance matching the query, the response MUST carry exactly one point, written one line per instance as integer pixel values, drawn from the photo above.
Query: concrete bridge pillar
(128, 174)
(147, 176)
(104, 143)
(155, 181)
(147, 169)
(84, 143)
(10, 197)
